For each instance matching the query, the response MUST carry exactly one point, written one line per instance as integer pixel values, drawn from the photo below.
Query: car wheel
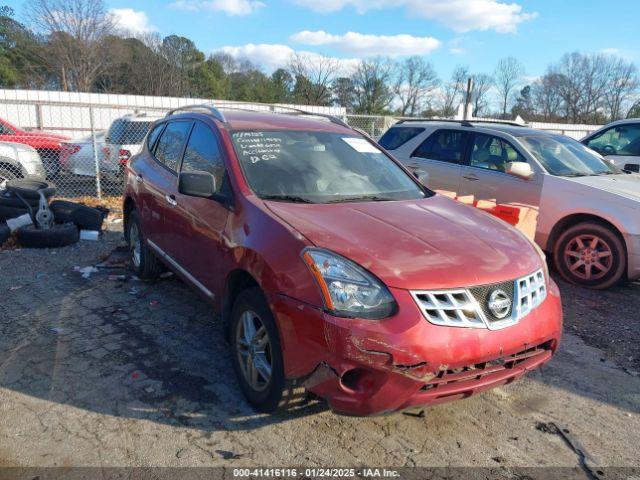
(5, 233)
(7, 213)
(590, 255)
(257, 355)
(55, 237)
(144, 262)
(6, 176)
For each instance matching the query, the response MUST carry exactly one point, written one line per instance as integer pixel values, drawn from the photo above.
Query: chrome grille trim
(454, 308)
(459, 307)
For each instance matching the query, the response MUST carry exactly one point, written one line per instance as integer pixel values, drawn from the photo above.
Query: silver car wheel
(135, 244)
(588, 257)
(253, 348)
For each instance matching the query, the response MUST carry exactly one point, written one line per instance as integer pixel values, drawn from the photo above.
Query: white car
(618, 142)
(124, 139)
(18, 160)
(78, 157)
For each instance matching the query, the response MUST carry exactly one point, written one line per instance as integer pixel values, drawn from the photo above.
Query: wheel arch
(237, 281)
(127, 207)
(10, 165)
(576, 218)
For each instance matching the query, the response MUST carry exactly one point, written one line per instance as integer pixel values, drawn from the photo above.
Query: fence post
(96, 157)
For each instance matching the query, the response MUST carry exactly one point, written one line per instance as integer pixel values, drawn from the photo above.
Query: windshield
(563, 156)
(320, 167)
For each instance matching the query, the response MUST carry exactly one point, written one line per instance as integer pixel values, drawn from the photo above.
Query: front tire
(144, 262)
(590, 255)
(257, 354)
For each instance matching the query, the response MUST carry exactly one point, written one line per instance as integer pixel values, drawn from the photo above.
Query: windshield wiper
(286, 198)
(364, 198)
(575, 175)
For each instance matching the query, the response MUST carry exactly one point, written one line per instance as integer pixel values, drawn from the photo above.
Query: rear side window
(126, 132)
(153, 136)
(170, 144)
(203, 154)
(443, 145)
(397, 136)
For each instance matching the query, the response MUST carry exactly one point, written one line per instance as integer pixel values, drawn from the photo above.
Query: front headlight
(347, 288)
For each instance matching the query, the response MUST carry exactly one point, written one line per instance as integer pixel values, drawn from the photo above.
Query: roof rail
(215, 111)
(293, 110)
(464, 123)
(209, 108)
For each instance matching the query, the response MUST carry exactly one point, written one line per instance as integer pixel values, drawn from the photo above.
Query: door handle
(171, 199)
(470, 177)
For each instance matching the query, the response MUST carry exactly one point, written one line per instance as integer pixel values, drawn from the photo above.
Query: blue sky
(476, 33)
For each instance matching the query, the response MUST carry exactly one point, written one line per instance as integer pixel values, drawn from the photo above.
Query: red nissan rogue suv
(333, 269)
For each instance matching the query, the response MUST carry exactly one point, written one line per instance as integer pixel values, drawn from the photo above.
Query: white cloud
(230, 7)
(369, 45)
(273, 56)
(132, 21)
(459, 15)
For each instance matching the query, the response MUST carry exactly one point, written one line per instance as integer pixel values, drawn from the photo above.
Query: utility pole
(466, 115)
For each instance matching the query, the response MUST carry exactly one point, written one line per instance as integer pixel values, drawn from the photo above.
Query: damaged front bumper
(364, 367)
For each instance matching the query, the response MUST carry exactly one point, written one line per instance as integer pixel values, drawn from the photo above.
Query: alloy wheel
(253, 348)
(588, 257)
(136, 245)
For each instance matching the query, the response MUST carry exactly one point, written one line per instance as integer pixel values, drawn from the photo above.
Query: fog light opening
(357, 380)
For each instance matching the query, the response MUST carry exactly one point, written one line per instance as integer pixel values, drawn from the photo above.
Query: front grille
(483, 293)
(469, 307)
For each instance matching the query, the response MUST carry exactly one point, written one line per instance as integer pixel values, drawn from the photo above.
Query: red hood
(423, 244)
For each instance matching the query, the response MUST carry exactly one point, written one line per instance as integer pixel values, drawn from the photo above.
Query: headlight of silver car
(348, 289)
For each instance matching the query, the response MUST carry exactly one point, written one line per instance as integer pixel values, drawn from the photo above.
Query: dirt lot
(99, 372)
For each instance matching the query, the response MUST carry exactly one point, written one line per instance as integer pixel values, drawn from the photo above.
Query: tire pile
(22, 197)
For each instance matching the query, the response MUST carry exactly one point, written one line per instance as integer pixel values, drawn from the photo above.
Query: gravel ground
(99, 372)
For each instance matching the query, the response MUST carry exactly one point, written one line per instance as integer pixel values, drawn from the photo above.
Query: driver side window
(619, 140)
(492, 153)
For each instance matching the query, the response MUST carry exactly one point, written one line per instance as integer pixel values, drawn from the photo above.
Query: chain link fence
(82, 148)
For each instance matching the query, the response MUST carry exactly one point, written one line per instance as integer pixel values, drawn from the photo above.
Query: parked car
(19, 161)
(331, 267)
(577, 206)
(47, 144)
(618, 142)
(79, 158)
(123, 140)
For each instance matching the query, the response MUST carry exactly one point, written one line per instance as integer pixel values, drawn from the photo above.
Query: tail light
(106, 153)
(123, 156)
(66, 151)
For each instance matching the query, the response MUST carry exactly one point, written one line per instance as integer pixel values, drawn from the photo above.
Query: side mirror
(422, 176)
(519, 169)
(197, 184)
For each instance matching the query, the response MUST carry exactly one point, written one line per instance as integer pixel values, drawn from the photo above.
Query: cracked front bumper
(365, 367)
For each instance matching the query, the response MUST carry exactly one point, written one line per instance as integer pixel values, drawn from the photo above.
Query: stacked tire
(17, 192)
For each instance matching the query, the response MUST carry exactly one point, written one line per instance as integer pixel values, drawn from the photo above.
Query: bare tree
(583, 82)
(454, 91)
(314, 75)
(621, 86)
(371, 78)
(482, 84)
(415, 81)
(76, 30)
(547, 99)
(507, 76)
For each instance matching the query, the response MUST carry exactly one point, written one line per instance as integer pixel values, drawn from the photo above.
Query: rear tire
(143, 261)
(591, 255)
(5, 233)
(255, 347)
(55, 237)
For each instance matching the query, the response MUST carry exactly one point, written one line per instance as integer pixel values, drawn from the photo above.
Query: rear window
(396, 136)
(125, 132)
